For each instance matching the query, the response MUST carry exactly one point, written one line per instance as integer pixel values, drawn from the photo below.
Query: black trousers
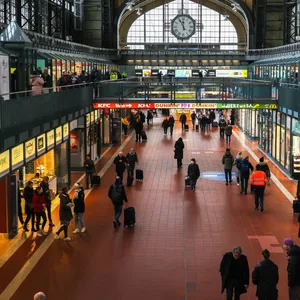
(49, 215)
(231, 289)
(40, 215)
(193, 122)
(120, 174)
(131, 171)
(259, 196)
(88, 178)
(138, 137)
(171, 129)
(64, 228)
(179, 163)
(20, 214)
(244, 184)
(165, 130)
(30, 215)
(183, 125)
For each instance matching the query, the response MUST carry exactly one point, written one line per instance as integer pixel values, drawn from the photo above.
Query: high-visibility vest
(258, 178)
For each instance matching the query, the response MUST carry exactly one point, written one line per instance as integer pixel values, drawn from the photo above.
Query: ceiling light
(139, 11)
(225, 18)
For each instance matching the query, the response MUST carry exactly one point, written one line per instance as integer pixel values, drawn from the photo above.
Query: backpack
(244, 167)
(116, 194)
(239, 163)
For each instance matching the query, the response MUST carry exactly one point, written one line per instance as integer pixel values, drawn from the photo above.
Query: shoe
(256, 207)
(262, 209)
(44, 232)
(76, 231)
(226, 183)
(119, 223)
(230, 181)
(83, 230)
(115, 224)
(237, 184)
(26, 229)
(33, 230)
(57, 237)
(51, 224)
(242, 192)
(39, 233)
(67, 239)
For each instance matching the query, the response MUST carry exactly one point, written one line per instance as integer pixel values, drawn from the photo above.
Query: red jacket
(38, 201)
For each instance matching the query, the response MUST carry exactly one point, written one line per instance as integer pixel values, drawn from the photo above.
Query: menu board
(58, 135)
(4, 163)
(17, 156)
(30, 150)
(41, 144)
(50, 139)
(65, 131)
(88, 119)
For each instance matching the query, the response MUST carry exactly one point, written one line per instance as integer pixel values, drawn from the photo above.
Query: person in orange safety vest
(259, 180)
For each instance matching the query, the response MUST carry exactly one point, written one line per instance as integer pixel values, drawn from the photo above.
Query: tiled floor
(176, 248)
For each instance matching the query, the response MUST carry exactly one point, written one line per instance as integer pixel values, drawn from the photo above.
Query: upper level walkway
(180, 236)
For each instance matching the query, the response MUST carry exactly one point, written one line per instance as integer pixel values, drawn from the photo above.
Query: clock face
(183, 27)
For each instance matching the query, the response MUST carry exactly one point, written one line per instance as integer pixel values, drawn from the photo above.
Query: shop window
(282, 146)
(288, 149)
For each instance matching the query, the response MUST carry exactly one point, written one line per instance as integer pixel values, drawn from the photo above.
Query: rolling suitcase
(139, 174)
(129, 180)
(129, 217)
(296, 206)
(186, 127)
(187, 181)
(143, 135)
(96, 180)
(197, 127)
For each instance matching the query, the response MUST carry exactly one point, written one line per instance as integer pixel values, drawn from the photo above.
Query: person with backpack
(165, 125)
(117, 194)
(171, 124)
(178, 152)
(228, 161)
(228, 132)
(237, 163)
(265, 168)
(245, 167)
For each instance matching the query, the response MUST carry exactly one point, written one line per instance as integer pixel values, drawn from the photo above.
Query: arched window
(213, 30)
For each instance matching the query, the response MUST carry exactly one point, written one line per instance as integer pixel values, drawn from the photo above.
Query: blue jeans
(228, 174)
(78, 217)
(259, 196)
(228, 137)
(118, 212)
(193, 183)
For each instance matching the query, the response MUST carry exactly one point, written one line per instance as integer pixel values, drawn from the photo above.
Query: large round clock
(183, 27)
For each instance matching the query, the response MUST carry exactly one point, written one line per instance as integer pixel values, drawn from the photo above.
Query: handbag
(299, 232)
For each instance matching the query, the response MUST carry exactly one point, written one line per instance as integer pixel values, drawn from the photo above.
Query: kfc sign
(124, 105)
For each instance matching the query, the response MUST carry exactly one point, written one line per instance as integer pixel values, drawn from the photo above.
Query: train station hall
(149, 150)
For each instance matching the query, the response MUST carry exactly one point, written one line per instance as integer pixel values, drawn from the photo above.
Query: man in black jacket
(120, 161)
(265, 277)
(293, 268)
(90, 170)
(28, 194)
(193, 117)
(245, 167)
(117, 195)
(131, 159)
(171, 124)
(182, 119)
(234, 271)
(193, 173)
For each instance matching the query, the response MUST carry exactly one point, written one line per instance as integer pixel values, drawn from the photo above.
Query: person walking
(171, 124)
(165, 125)
(178, 152)
(65, 214)
(265, 276)
(228, 133)
(121, 162)
(46, 191)
(193, 173)
(237, 163)
(149, 117)
(258, 180)
(90, 170)
(28, 194)
(182, 119)
(79, 208)
(36, 82)
(132, 159)
(117, 194)
(234, 271)
(212, 116)
(265, 168)
(125, 125)
(222, 126)
(245, 168)
(228, 161)
(39, 206)
(193, 117)
(293, 268)
(138, 127)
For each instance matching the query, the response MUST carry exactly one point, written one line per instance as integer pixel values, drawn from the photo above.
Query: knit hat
(238, 250)
(261, 159)
(288, 242)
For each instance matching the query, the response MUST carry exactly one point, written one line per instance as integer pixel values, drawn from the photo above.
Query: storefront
(247, 120)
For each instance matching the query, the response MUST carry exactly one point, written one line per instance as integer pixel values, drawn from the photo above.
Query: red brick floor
(176, 248)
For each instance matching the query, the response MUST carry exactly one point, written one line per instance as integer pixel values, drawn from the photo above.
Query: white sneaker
(57, 237)
(44, 232)
(83, 229)
(68, 239)
(237, 184)
(76, 231)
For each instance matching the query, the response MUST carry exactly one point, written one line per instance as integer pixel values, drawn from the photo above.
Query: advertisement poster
(4, 163)
(50, 139)
(183, 73)
(146, 73)
(163, 72)
(4, 76)
(74, 142)
(58, 135)
(139, 72)
(232, 73)
(17, 156)
(41, 144)
(65, 131)
(30, 150)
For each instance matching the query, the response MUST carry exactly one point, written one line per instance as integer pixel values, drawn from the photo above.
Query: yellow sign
(58, 135)
(50, 139)
(92, 117)
(96, 114)
(66, 131)
(17, 156)
(4, 163)
(88, 119)
(41, 144)
(30, 150)
(185, 96)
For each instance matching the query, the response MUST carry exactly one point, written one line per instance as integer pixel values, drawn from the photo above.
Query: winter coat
(193, 116)
(47, 80)
(293, 267)
(263, 166)
(171, 121)
(121, 191)
(132, 159)
(265, 277)
(243, 269)
(182, 118)
(89, 166)
(212, 115)
(45, 187)
(79, 207)
(165, 124)
(222, 125)
(38, 201)
(28, 194)
(120, 165)
(138, 127)
(227, 160)
(237, 162)
(178, 151)
(244, 170)
(193, 171)
(36, 83)
(65, 212)
(228, 130)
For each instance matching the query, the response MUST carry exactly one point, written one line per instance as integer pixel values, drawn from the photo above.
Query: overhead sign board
(185, 105)
(124, 105)
(30, 150)
(58, 135)
(41, 144)
(50, 139)
(232, 73)
(17, 156)
(247, 105)
(4, 163)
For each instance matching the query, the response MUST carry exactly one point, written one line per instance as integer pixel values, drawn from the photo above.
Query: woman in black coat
(79, 208)
(65, 213)
(178, 152)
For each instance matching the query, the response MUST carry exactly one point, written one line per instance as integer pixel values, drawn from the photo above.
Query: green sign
(247, 105)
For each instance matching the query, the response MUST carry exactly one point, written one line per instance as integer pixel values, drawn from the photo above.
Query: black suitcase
(197, 127)
(144, 136)
(139, 174)
(187, 181)
(129, 180)
(296, 206)
(96, 180)
(129, 217)
(186, 127)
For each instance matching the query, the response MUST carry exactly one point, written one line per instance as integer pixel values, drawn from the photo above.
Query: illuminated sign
(183, 73)
(92, 117)
(17, 156)
(123, 105)
(185, 105)
(58, 135)
(185, 96)
(232, 73)
(50, 139)
(247, 105)
(65, 131)
(30, 150)
(4, 163)
(87, 119)
(41, 144)
(146, 73)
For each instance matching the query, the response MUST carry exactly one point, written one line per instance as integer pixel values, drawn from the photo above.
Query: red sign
(124, 105)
